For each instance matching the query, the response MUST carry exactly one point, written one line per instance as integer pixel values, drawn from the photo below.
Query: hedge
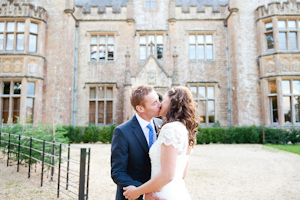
(247, 134)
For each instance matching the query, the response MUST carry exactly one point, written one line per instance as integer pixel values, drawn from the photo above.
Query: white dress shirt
(143, 123)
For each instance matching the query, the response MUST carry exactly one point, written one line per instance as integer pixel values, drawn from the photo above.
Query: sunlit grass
(289, 148)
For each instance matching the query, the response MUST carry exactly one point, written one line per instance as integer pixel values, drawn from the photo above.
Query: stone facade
(239, 73)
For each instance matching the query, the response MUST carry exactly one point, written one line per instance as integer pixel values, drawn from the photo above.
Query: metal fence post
(68, 166)
(52, 160)
(29, 157)
(19, 153)
(8, 149)
(43, 158)
(59, 162)
(82, 173)
(88, 175)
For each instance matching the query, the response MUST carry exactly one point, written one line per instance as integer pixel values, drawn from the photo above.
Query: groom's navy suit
(130, 162)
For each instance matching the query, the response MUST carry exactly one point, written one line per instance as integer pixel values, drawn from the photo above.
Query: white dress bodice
(175, 134)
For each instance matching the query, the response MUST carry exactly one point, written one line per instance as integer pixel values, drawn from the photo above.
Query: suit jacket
(130, 162)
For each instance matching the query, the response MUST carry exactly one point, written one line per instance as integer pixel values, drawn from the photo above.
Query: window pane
(143, 39)
(286, 87)
(148, 4)
(110, 52)
(202, 110)
(17, 88)
(92, 112)
(192, 39)
(194, 91)
(282, 41)
(1, 26)
(33, 28)
(32, 43)
(202, 92)
(297, 108)
(1, 42)
(208, 38)
(109, 112)
(159, 51)
(287, 109)
(10, 26)
(192, 51)
(109, 93)
(296, 87)
(29, 109)
(102, 39)
(5, 109)
(93, 53)
(10, 42)
(292, 24)
(159, 39)
(270, 41)
(272, 87)
(16, 109)
(92, 93)
(94, 39)
(210, 92)
(293, 41)
(154, 4)
(151, 39)
(200, 39)
(281, 25)
(274, 110)
(142, 52)
(269, 26)
(30, 88)
(200, 52)
(100, 112)
(20, 26)
(20, 42)
(101, 92)
(101, 52)
(110, 39)
(6, 88)
(211, 111)
(209, 52)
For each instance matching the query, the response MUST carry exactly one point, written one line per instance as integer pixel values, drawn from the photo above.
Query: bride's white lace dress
(175, 134)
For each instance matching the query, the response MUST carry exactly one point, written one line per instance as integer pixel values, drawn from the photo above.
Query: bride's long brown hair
(183, 108)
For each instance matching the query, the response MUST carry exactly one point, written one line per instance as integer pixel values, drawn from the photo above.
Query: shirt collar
(143, 122)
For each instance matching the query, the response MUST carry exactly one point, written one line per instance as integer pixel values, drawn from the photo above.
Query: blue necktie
(150, 135)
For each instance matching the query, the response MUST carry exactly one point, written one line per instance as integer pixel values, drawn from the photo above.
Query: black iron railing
(50, 161)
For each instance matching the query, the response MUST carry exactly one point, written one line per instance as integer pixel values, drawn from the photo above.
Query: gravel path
(216, 171)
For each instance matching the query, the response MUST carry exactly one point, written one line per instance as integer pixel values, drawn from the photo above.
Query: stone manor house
(74, 62)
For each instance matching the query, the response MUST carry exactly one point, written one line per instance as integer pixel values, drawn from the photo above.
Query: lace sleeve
(170, 135)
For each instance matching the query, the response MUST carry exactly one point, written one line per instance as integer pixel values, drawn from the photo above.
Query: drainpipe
(75, 72)
(228, 72)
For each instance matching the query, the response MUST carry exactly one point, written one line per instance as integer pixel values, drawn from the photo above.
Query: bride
(170, 153)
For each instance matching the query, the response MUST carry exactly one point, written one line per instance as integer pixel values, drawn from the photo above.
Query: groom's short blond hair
(138, 94)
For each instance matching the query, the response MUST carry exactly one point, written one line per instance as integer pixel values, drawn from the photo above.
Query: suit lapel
(138, 132)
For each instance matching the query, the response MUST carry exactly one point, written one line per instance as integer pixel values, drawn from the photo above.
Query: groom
(130, 162)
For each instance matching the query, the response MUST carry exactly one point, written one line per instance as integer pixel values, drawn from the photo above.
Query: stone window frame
(151, 4)
(106, 44)
(287, 30)
(269, 34)
(105, 99)
(148, 41)
(30, 97)
(206, 99)
(198, 43)
(26, 34)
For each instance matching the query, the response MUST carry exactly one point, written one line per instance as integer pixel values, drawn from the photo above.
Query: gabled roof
(158, 64)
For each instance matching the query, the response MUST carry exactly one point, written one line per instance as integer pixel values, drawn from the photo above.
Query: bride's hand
(131, 192)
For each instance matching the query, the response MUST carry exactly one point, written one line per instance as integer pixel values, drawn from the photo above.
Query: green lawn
(289, 148)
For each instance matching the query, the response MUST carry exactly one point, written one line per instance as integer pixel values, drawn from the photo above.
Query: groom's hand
(152, 196)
